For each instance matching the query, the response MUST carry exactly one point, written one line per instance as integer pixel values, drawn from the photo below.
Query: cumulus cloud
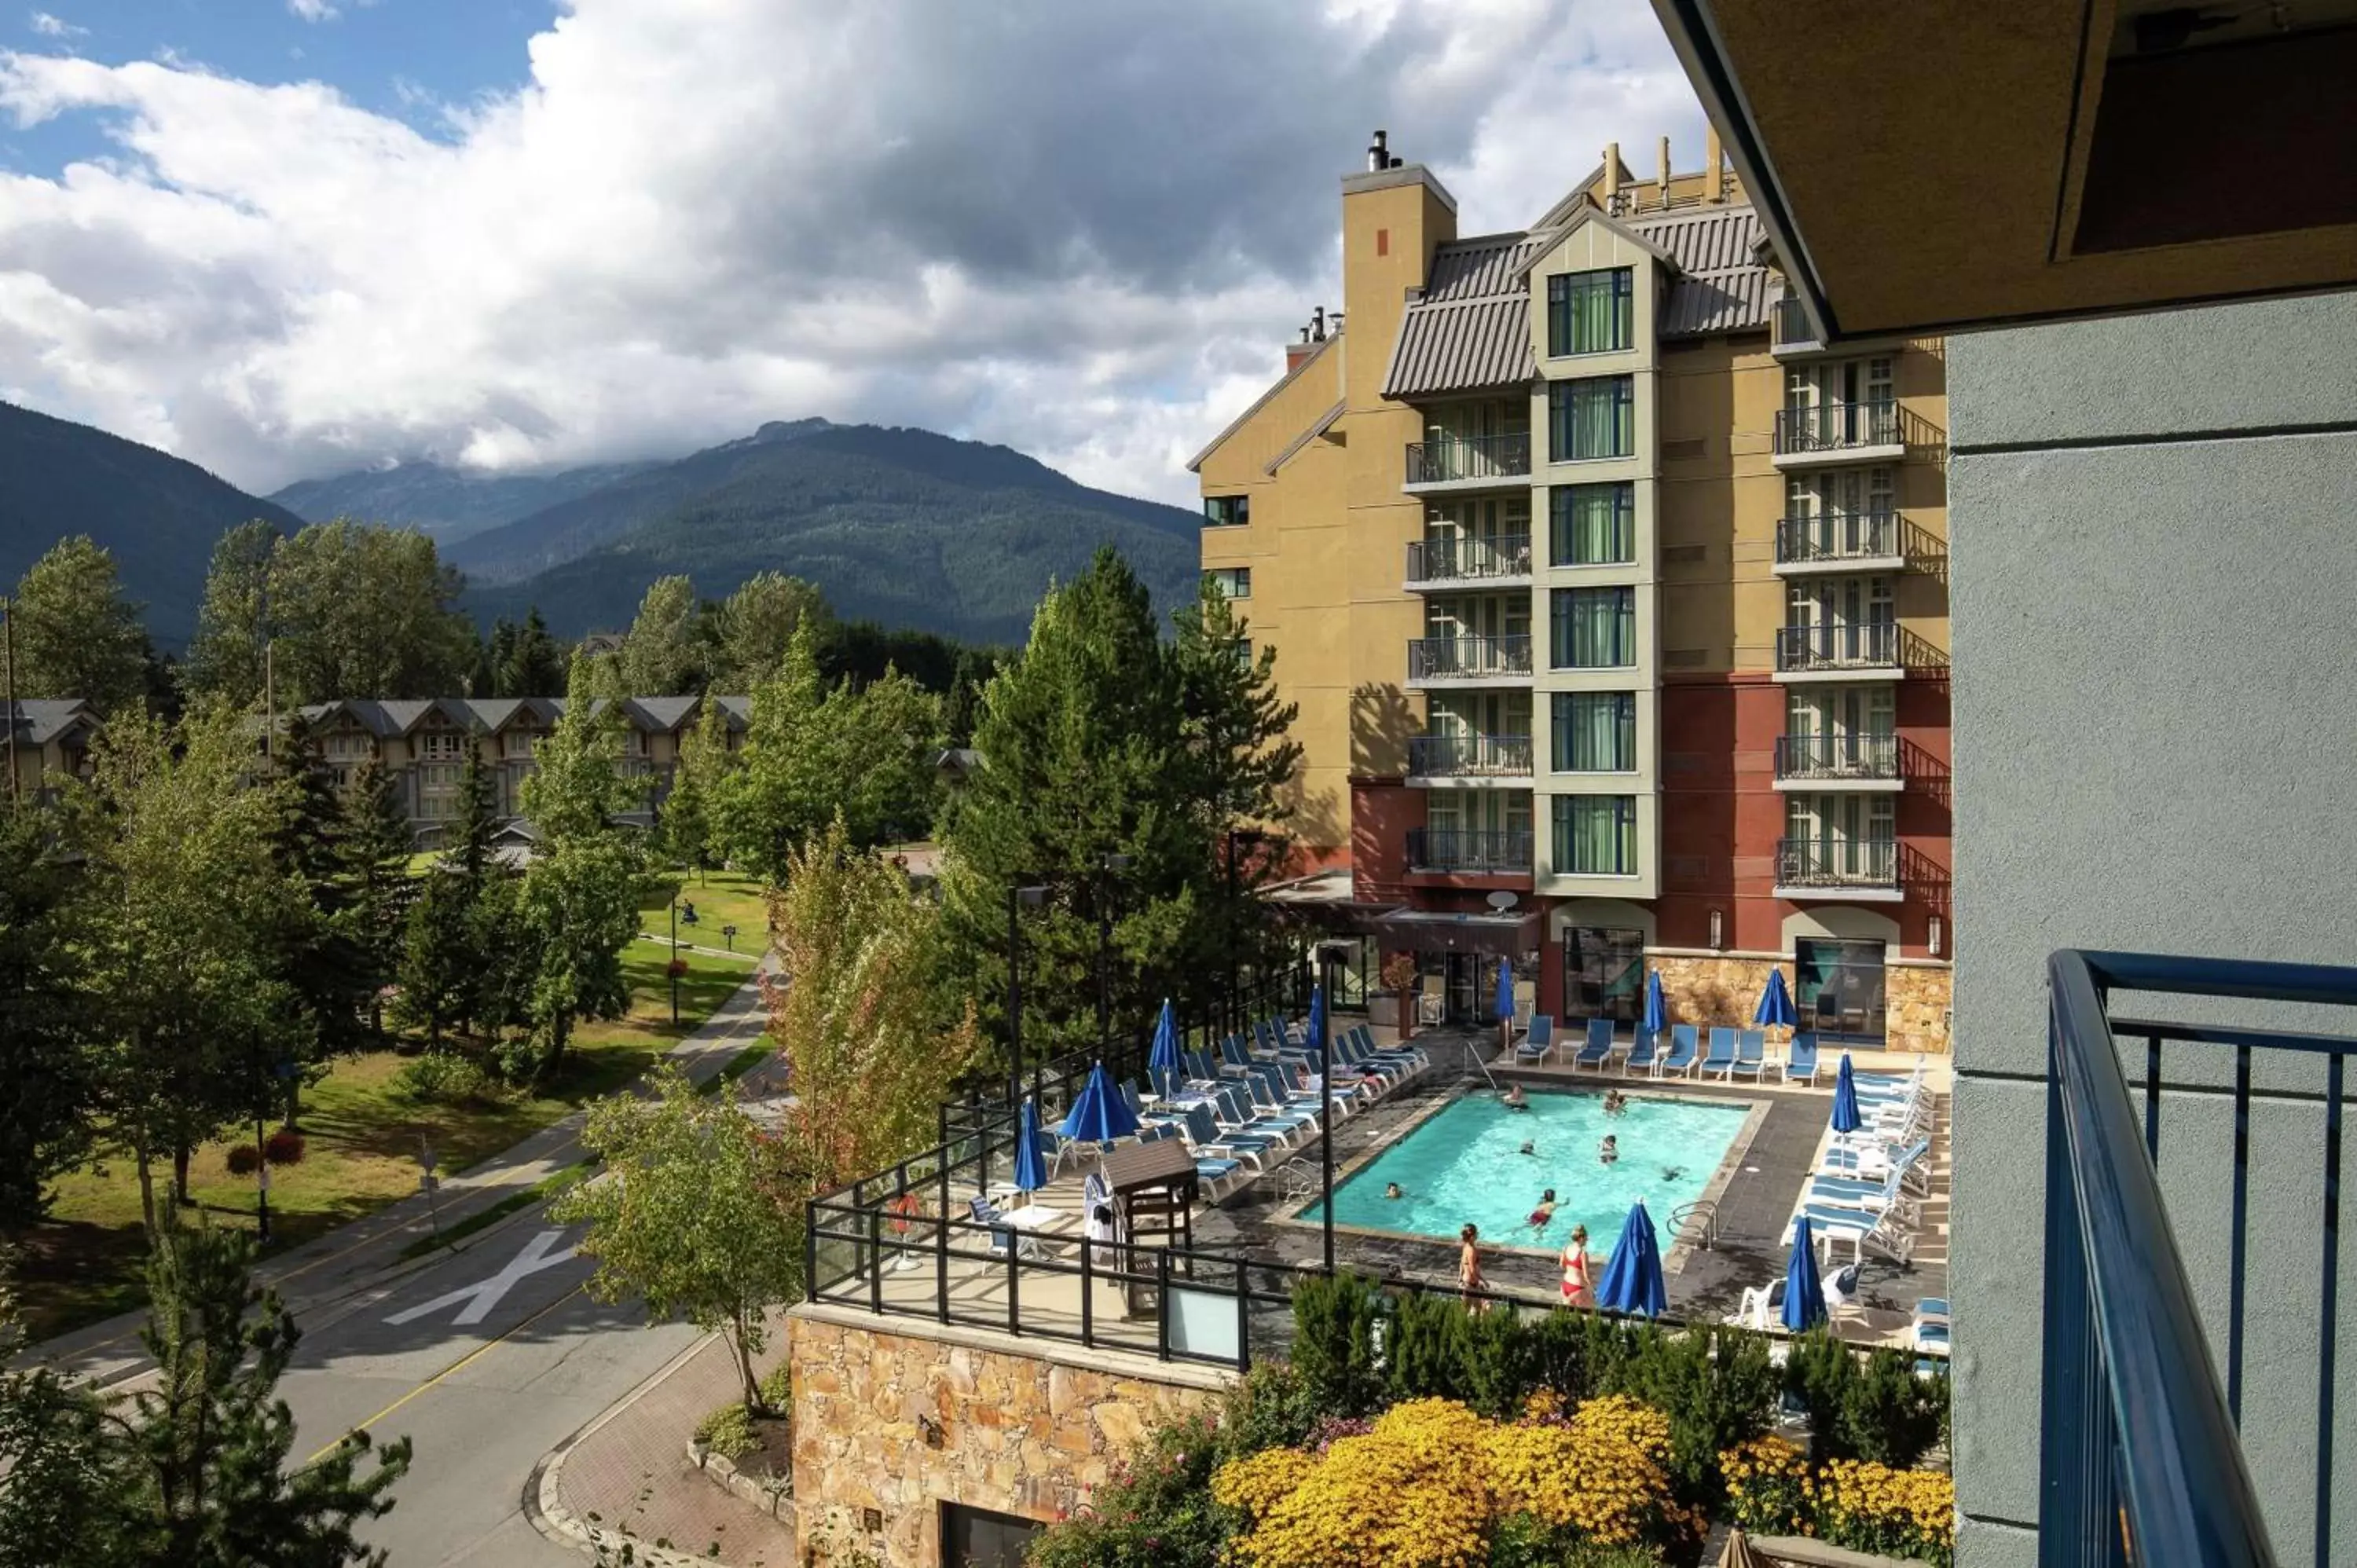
(312, 10)
(1084, 232)
(51, 27)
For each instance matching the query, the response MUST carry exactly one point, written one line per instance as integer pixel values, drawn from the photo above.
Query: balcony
(1860, 542)
(1857, 869)
(1861, 762)
(1469, 757)
(1468, 462)
(1503, 561)
(1790, 332)
(1469, 660)
(1494, 852)
(1866, 652)
(1863, 432)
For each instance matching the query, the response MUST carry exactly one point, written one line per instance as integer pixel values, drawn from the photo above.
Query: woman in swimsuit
(1470, 1277)
(1575, 1269)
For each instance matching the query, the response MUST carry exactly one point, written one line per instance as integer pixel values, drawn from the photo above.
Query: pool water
(1464, 1164)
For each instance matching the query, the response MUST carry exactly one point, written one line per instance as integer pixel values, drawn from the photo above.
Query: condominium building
(46, 742)
(423, 745)
(1613, 604)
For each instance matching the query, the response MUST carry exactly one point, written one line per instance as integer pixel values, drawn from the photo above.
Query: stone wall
(1725, 988)
(1916, 998)
(1024, 1427)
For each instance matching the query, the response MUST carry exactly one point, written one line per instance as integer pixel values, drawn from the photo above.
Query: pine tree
(439, 967)
(782, 789)
(686, 824)
(755, 626)
(375, 844)
(661, 655)
(225, 660)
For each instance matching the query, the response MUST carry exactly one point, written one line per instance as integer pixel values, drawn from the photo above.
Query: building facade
(1614, 606)
(423, 745)
(48, 743)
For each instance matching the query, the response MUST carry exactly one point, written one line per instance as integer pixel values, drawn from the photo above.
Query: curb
(722, 1472)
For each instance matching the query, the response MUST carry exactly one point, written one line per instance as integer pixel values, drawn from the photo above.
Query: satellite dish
(1502, 900)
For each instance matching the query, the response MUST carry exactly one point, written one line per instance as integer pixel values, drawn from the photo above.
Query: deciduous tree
(662, 653)
(756, 625)
(363, 611)
(45, 1092)
(77, 636)
(225, 660)
(688, 831)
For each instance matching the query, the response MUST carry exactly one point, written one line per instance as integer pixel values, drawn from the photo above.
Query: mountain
(448, 503)
(900, 526)
(156, 513)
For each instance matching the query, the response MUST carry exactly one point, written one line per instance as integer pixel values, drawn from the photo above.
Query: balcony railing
(1469, 755)
(1475, 850)
(1837, 863)
(1791, 324)
(1469, 559)
(1451, 458)
(1468, 657)
(2140, 1457)
(1823, 757)
(1833, 427)
(1858, 536)
(1868, 645)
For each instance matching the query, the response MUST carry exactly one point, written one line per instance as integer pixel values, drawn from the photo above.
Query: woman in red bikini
(1575, 1270)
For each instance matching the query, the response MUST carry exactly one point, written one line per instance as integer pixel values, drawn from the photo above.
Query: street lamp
(672, 968)
(1019, 897)
(1113, 866)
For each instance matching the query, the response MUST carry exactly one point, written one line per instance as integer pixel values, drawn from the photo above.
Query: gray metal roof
(40, 720)
(1719, 286)
(491, 715)
(1465, 346)
(1476, 268)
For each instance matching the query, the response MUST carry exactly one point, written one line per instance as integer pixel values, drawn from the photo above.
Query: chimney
(1665, 171)
(1714, 166)
(1297, 352)
(1611, 172)
(1378, 155)
(1318, 325)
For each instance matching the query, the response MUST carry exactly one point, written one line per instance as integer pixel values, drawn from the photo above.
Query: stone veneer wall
(1027, 1427)
(1724, 987)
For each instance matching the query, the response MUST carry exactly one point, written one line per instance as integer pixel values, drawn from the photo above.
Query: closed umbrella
(1031, 1166)
(1804, 1297)
(1846, 1116)
(1657, 1007)
(1317, 1016)
(1505, 992)
(1100, 1114)
(1162, 1065)
(1633, 1280)
(1775, 1010)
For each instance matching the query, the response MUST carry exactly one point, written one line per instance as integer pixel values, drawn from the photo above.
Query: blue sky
(290, 237)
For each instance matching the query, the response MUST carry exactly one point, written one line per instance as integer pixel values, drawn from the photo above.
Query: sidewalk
(343, 1261)
(629, 1474)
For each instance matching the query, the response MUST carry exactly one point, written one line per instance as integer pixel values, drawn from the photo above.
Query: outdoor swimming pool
(1463, 1164)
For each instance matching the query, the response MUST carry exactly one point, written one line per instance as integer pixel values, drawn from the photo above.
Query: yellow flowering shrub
(1900, 1513)
(1767, 1487)
(1257, 1482)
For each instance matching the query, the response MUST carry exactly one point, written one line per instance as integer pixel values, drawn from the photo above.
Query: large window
(1595, 628)
(1592, 418)
(1226, 511)
(1841, 986)
(1592, 525)
(1603, 973)
(1234, 582)
(1595, 835)
(1590, 313)
(1595, 732)
(438, 791)
(439, 743)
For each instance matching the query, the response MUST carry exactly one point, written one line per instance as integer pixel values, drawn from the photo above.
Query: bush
(1334, 1343)
(1717, 1386)
(1274, 1407)
(1890, 1416)
(1156, 1511)
(443, 1077)
(1818, 1371)
(1499, 1365)
(728, 1431)
(1894, 1513)
(244, 1159)
(283, 1147)
(1768, 1490)
(1424, 1354)
(776, 1388)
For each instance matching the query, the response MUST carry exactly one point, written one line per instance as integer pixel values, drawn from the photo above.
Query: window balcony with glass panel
(1830, 651)
(1868, 761)
(1458, 755)
(1447, 560)
(1828, 542)
(1861, 868)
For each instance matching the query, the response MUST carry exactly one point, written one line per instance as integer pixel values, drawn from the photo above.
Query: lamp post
(1113, 866)
(1326, 1129)
(671, 967)
(1019, 896)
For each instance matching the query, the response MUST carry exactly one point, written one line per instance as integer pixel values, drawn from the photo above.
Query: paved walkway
(629, 1472)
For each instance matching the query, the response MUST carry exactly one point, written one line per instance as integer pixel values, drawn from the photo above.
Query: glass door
(1603, 975)
(1841, 989)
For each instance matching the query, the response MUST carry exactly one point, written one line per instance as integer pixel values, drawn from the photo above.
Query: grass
(362, 1131)
(548, 1186)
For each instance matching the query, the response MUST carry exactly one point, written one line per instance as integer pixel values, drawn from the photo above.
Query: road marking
(481, 1298)
(451, 1371)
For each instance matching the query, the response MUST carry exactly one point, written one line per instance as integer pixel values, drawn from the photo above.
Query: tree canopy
(75, 634)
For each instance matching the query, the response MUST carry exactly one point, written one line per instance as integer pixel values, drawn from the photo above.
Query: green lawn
(363, 1132)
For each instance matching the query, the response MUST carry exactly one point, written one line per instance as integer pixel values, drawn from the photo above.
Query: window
(1235, 582)
(1595, 732)
(1595, 628)
(1595, 835)
(1603, 973)
(439, 743)
(345, 748)
(1841, 985)
(1243, 649)
(518, 743)
(1226, 511)
(1590, 313)
(1593, 525)
(439, 794)
(1591, 418)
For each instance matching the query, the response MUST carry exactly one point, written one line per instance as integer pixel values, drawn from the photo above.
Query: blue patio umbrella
(1162, 1065)
(1804, 1294)
(1031, 1168)
(1633, 1280)
(1775, 1009)
(1657, 1007)
(1100, 1116)
(1846, 1116)
(1505, 991)
(1317, 1015)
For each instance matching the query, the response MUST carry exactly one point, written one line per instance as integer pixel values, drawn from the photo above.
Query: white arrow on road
(481, 1298)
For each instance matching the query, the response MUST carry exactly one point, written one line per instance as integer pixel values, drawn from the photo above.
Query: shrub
(1334, 1342)
(1890, 1415)
(283, 1147)
(1157, 1510)
(1498, 1363)
(1274, 1407)
(1718, 1388)
(443, 1077)
(244, 1159)
(777, 1388)
(1423, 1357)
(1818, 1371)
(728, 1431)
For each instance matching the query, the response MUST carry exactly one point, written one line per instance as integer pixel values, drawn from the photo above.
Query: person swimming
(1392, 1189)
(1544, 1213)
(1514, 1098)
(1615, 1102)
(1530, 1146)
(1609, 1150)
(1672, 1172)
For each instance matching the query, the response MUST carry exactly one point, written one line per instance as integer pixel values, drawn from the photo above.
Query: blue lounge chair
(1801, 1064)
(1598, 1049)
(1534, 1046)
(1686, 1043)
(1720, 1060)
(1277, 1114)
(1751, 1055)
(1204, 1136)
(1644, 1055)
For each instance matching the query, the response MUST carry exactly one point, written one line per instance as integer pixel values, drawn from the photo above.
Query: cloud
(50, 27)
(1084, 232)
(312, 10)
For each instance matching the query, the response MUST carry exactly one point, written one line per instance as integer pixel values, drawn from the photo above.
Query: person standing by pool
(1575, 1270)
(1469, 1278)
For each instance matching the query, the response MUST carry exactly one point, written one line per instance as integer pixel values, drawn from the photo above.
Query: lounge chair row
(1732, 1053)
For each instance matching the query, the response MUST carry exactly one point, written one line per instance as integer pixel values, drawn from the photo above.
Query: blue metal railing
(2140, 1457)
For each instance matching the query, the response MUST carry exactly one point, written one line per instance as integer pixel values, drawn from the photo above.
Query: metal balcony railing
(2140, 1456)
(1478, 850)
(1837, 863)
(1469, 559)
(1451, 459)
(1867, 646)
(1832, 426)
(1855, 537)
(1790, 324)
(1823, 757)
(1468, 657)
(1469, 755)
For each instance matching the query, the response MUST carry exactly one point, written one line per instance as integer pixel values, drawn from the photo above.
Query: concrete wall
(2156, 748)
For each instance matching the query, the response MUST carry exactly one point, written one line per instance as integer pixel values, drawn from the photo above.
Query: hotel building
(1615, 607)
